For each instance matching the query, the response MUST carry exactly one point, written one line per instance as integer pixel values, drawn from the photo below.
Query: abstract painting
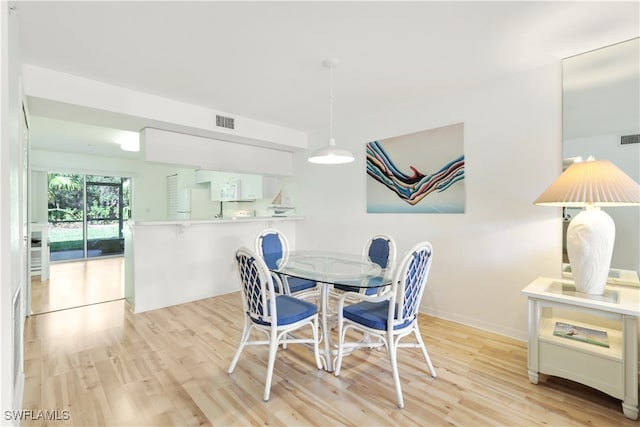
(421, 172)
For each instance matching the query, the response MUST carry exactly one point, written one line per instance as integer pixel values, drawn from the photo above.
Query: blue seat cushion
(371, 314)
(297, 284)
(291, 310)
(347, 288)
(374, 286)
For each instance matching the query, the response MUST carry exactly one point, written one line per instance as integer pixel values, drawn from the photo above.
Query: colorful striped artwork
(422, 172)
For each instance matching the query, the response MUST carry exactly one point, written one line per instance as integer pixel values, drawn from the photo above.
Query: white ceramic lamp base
(590, 238)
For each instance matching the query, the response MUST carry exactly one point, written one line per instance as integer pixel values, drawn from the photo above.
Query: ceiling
(262, 60)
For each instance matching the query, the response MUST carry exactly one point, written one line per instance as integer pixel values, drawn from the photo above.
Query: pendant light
(330, 154)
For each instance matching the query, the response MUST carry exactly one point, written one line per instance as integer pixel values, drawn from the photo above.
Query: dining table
(327, 269)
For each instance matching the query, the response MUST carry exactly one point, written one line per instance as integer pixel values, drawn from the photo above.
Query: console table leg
(630, 410)
(630, 337)
(533, 377)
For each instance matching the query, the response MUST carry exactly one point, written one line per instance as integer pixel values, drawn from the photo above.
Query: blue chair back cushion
(371, 314)
(379, 252)
(290, 310)
(271, 250)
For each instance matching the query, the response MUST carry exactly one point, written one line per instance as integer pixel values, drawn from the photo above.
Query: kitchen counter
(170, 262)
(187, 222)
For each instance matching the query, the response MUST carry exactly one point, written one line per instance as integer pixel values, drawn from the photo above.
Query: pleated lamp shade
(591, 183)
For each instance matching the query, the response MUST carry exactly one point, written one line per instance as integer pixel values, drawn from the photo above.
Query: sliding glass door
(66, 216)
(106, 212)
(86, 215)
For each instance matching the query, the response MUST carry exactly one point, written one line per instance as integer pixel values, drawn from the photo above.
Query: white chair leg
(341, 335)
(316, 349)
(246, 331)
(393, 358)
(432, 371)
(235, 358)
(273, 349)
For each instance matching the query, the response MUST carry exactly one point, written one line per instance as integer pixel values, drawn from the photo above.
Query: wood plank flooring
(78, 283)
(108, 366)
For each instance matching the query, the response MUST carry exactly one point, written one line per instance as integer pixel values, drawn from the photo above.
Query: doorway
(86, 215)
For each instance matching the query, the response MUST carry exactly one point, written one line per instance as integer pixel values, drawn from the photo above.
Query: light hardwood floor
(108, 366)
(78, 283)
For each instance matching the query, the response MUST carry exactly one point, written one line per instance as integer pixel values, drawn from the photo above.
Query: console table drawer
(605, 374)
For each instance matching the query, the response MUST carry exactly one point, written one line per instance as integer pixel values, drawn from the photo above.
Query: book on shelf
(580, 333)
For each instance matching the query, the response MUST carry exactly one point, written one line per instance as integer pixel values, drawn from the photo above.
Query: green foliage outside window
(107, 200)
(103, 194)
(65, 197)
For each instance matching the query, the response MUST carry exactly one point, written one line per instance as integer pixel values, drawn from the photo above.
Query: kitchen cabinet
(250, 187)
(229, 187)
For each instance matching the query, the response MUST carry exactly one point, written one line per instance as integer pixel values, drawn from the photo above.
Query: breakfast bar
(171, 262)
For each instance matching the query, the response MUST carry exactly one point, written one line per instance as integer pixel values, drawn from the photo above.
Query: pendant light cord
(331, 99)
(331, 155)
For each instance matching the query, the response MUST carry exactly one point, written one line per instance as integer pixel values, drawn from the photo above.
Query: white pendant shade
(331, 155)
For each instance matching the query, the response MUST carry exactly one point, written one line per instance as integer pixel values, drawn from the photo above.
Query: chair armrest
(283, 285)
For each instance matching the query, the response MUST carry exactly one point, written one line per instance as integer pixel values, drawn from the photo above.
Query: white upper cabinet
(251, 187)
(227, 186)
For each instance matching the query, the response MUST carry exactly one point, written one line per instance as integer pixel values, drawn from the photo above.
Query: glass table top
(335, 268)
(570, 289)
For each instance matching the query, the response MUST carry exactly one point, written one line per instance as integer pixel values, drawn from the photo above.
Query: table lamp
(591, 184)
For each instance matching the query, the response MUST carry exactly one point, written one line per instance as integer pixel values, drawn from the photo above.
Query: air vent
(630, 139)
(225, 122)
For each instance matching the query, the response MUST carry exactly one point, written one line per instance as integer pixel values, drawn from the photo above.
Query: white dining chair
(276, 315)
(273, 248)
(390, 316)
(379, 249)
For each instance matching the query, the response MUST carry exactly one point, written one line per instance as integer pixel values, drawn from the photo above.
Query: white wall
(6, 339)
(483, 258)
(38, 196)
(12, 257)
(126, 105)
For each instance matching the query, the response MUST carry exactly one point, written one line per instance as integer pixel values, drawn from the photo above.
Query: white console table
(612, 369)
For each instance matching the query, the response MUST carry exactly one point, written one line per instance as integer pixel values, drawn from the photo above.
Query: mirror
(601, 117)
